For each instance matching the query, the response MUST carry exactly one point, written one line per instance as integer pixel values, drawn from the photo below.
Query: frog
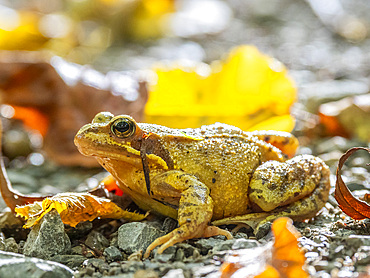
(208, 176)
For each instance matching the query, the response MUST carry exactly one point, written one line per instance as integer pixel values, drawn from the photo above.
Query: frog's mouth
(91, 142)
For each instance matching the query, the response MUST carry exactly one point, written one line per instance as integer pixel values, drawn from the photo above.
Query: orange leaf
(287, 258)
(32, 118)
(350, 205)
(75, 208)
(283, 259)
(270, 272)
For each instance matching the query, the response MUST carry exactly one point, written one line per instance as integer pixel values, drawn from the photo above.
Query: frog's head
(109, 136)
(118, 138)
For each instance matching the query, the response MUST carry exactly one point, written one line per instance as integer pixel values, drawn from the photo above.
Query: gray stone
(167, 255)
(112, 254)
(77, 250)
(263, 230)
(225, 245)
(98, 264)
(72, 261)
(206, 244)
(357, 241)
(11, 245)
(15, 265)
(242, 243)
(137, 236)
(96, 241)
(188, 249)
(175, 273)
(47, 238)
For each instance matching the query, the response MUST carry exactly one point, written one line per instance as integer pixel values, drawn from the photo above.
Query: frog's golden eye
(123, 127)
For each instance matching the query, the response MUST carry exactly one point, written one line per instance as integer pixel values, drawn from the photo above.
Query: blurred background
(298, 66)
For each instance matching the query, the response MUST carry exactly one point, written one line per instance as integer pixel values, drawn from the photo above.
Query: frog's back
(224, 160)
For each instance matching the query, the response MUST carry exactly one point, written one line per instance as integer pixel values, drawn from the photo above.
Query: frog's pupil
(122, 126)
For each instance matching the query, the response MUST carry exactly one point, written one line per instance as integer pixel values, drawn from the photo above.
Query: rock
(80, 230)
(11, 245)
(242, 243)
(225, 245)
(112, 254)
(263, 230)
(8, 220)
(132, 266)
(206, 244)
(77, 250)
(169, 224)
(96, 241)
(175, 273)
(137, 236)
(72, 261)
(98, 264)
(47, 238)
(357, 241)
(167, 255)
(15, 265)
(188, 249)
(145, 274)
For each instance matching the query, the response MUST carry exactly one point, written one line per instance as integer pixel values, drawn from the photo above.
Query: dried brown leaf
(349, 204)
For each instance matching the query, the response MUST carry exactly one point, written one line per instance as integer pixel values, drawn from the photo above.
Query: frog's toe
(183, 233)
(216, 231)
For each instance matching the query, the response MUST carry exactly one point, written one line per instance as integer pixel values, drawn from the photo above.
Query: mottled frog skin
(214, 173)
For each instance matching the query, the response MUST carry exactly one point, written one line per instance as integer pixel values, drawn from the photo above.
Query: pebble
(357, 241)
(96, 241)
(243, 243)
(206, 244)
(15, 265)
(112, 254)
(167, 255)
(175, 273)
(72, 261)
(47, 238)
(137, 236)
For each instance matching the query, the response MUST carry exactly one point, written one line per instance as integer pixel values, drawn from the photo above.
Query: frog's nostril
(102, 117)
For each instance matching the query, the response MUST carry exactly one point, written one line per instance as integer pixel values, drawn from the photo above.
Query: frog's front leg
(194, 212)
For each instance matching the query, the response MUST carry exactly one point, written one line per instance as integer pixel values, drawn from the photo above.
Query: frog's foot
(182, 233)
(252, 220)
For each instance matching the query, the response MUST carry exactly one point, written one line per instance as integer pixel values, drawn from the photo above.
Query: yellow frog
(214, 173)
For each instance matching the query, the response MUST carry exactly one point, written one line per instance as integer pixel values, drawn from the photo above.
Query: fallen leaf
(348, 117)
(283, 259)
(349, 204)
(75, 208)
(287, 258)
(66, 96)
(247, 89)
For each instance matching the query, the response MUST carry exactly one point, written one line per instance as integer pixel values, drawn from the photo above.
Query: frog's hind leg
(284, 141)
(194, 212)
(297, 188)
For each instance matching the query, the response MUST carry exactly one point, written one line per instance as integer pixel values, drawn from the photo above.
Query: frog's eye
(123, 127)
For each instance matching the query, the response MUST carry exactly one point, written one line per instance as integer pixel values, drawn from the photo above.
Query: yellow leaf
(245, 90)
(75, 208)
